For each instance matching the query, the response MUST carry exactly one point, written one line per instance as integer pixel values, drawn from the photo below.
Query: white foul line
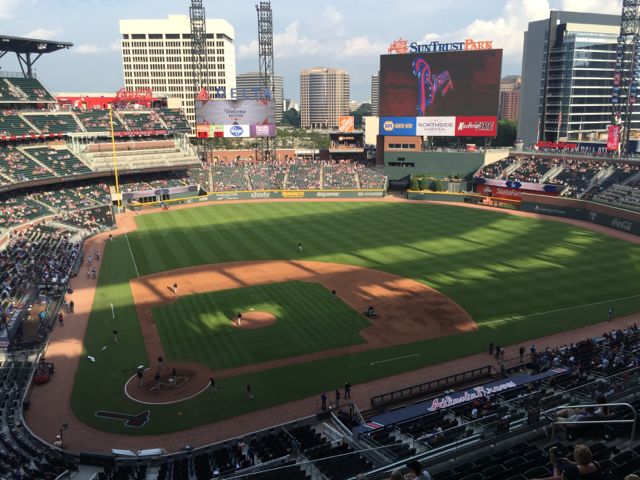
(132, 257)
(392, 359)
(564, 309)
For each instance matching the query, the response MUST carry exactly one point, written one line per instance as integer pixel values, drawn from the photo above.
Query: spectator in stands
(395, 475)
(418, 472)
(584, 467)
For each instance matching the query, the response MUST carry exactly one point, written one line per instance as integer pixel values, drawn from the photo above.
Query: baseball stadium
(173, 309)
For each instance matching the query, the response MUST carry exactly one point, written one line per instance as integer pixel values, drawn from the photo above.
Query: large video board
(235, 118)
(447, 92)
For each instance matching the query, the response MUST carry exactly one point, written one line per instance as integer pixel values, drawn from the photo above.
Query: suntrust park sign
(435, 46)
(403, 46)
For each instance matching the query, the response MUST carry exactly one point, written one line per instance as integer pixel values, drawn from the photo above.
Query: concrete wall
(438, 164)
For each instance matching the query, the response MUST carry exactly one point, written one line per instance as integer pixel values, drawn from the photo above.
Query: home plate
(393, 359)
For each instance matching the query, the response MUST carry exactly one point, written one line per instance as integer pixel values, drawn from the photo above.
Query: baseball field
(507, 279)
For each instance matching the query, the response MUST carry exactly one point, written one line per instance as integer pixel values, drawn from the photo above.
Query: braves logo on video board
(429, 84)
(476, 126)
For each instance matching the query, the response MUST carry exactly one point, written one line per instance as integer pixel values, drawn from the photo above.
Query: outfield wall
(605, 215)
(292, 194)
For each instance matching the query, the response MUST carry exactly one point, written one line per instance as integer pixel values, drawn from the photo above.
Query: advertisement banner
(263, 130)
(440, 83)
(485, 126)
(398, 126)
(613, 137)
(530, 187)
(436, 126)
(510, 193)
(346, 123)
(237, 131)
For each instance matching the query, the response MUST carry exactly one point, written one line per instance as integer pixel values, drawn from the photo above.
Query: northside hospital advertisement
(440, 92)
(235, 118)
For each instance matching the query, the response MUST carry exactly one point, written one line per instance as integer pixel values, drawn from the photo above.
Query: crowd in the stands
(598, 180)
(296, 174)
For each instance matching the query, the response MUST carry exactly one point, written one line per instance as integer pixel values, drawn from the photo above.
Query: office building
(251, 83)
(156, 54)
(567, 75)
(375, 94)
(324, 96)
(509, 107)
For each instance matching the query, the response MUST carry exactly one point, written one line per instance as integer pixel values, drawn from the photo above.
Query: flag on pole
(559, 119)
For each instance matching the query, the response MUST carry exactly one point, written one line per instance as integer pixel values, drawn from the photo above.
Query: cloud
(93, 49)
(8, 8)
(506, 31)
(45, 34)
(326, 36)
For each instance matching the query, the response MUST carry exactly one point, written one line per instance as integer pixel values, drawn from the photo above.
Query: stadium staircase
(552, 174)
(597, 180)
(512, 168)
(321, 178)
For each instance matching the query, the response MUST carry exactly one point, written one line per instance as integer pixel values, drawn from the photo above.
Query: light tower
(627, 70)
(265, 65)
(200, 65)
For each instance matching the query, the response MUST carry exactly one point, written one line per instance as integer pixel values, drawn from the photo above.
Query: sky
(349, 35)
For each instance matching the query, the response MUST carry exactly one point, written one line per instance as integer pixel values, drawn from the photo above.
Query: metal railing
(412, 391)
(554, 417)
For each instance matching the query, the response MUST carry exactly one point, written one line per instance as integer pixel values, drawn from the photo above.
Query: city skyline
(349, 37)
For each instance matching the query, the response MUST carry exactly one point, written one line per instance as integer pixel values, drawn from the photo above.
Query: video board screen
(235, 118)
(443, 84)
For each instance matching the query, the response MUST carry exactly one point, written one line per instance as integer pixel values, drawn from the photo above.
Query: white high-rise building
(324, 96)
(156, 54)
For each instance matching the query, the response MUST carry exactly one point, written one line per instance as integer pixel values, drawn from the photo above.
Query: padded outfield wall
(605, 215)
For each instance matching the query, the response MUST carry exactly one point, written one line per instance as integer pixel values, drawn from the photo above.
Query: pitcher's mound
(255, 319)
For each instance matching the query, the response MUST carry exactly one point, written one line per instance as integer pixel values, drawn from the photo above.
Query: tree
(291, 117)
(507, 132)
(363, 110)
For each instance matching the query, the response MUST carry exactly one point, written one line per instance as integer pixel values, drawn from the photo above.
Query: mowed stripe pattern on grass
(499, 268)
(493, 265)
(198, 327)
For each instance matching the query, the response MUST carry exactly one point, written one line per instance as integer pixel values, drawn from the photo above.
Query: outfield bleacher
(371, 179)
(53, 122)
(79, 197)
(20, 168)
(98, 121)
(174, 119)
(303, 177)
(229, 178)
(339, 176)
(12, 124)
(266, 177)
(60, 160)
(32, 88)
(141, 120)
(20, 209)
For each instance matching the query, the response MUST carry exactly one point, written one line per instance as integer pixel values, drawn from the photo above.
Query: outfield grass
(519, 278)
(198, 328)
